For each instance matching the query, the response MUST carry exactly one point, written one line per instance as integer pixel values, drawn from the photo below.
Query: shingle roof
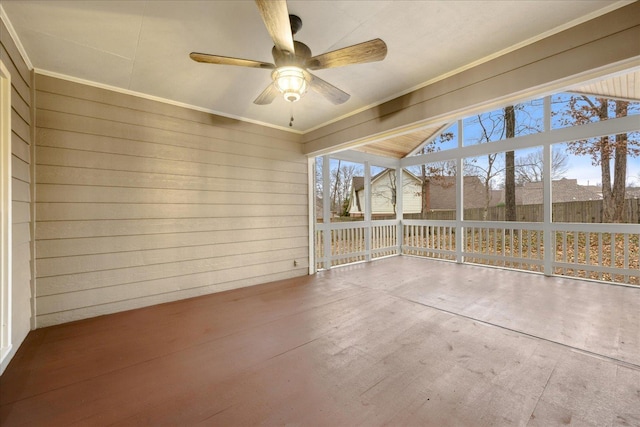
(563, 190)
(357, 182)
(442, 193)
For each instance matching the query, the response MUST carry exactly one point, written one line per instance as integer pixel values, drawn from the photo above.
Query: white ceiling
(143, 46)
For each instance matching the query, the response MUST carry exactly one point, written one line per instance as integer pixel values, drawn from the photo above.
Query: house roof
(633, 193)
(357, 182)
(563, 190)
(442, 193)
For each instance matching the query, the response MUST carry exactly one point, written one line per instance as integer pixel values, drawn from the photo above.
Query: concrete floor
(400, 341)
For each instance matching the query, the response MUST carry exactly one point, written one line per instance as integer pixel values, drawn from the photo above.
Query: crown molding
(14, 36)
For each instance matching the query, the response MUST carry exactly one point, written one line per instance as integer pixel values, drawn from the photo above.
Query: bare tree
(492, 128)
(530, 168)
(508, 122)
(335, 194)
(604, 150)
(388, 190)
(433, 172)
(487, 173)
(347, 172)
(318, 181)
(341, 177)
(510, 167)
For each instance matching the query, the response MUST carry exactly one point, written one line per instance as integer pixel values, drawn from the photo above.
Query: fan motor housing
(298, 59)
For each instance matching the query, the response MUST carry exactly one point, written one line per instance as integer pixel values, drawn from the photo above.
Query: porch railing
(505, 244)
(604, 252)
(433, 239)
(341, 243)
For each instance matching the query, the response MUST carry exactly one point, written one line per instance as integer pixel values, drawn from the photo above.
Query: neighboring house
(563, 190)
(383, 194)
(441, 194)
(632, 193)
(596, 189)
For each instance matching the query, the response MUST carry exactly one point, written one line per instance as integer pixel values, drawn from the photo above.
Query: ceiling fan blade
(373, 50)
(328, 90)
(267, 96)
(276, 18)
(226, 60)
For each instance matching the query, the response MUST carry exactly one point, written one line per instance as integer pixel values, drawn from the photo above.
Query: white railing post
(326, 211)
(367, 210)
(547, 203)
(399, 207)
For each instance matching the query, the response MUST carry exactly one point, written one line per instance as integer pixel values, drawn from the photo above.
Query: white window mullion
(367, 210)
(548, 236)
(460, 229)
(326, 210)
(399, 207)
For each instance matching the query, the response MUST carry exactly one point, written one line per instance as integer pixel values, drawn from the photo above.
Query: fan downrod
(296, 23)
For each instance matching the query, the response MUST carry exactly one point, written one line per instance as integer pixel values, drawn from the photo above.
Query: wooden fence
(589, 211)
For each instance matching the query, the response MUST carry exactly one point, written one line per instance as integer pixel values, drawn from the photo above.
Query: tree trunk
(605, 169)
(425, 193)
(394, 189)
(510, 167)
(487, 201)
(620, 168)
(608, 206)
(334, 199)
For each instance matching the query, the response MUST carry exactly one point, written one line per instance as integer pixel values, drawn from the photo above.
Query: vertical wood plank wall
(140, 202)
(21, 99)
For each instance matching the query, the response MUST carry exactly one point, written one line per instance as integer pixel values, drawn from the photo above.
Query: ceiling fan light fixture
(291, 82)
(293, 59)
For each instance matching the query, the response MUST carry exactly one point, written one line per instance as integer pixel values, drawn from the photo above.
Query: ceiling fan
(293, 60)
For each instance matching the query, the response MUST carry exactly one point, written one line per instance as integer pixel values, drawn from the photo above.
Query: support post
(547, 196)
(311, 188)
(399, 207)
(367, 210)
(460, 238)
(326, 211)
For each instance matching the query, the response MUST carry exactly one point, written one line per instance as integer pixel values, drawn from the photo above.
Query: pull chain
(291, 120)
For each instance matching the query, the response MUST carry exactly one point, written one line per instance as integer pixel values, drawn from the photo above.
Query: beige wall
(21, 147)
(140, 202)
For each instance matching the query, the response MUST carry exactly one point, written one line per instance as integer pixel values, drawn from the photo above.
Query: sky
(529, 115)
(490, 127)
(580, 167)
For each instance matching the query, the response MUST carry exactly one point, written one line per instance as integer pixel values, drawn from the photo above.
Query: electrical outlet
(295, 263)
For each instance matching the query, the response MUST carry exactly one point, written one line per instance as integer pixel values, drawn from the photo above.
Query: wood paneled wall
(140, 202)
(21, 147)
